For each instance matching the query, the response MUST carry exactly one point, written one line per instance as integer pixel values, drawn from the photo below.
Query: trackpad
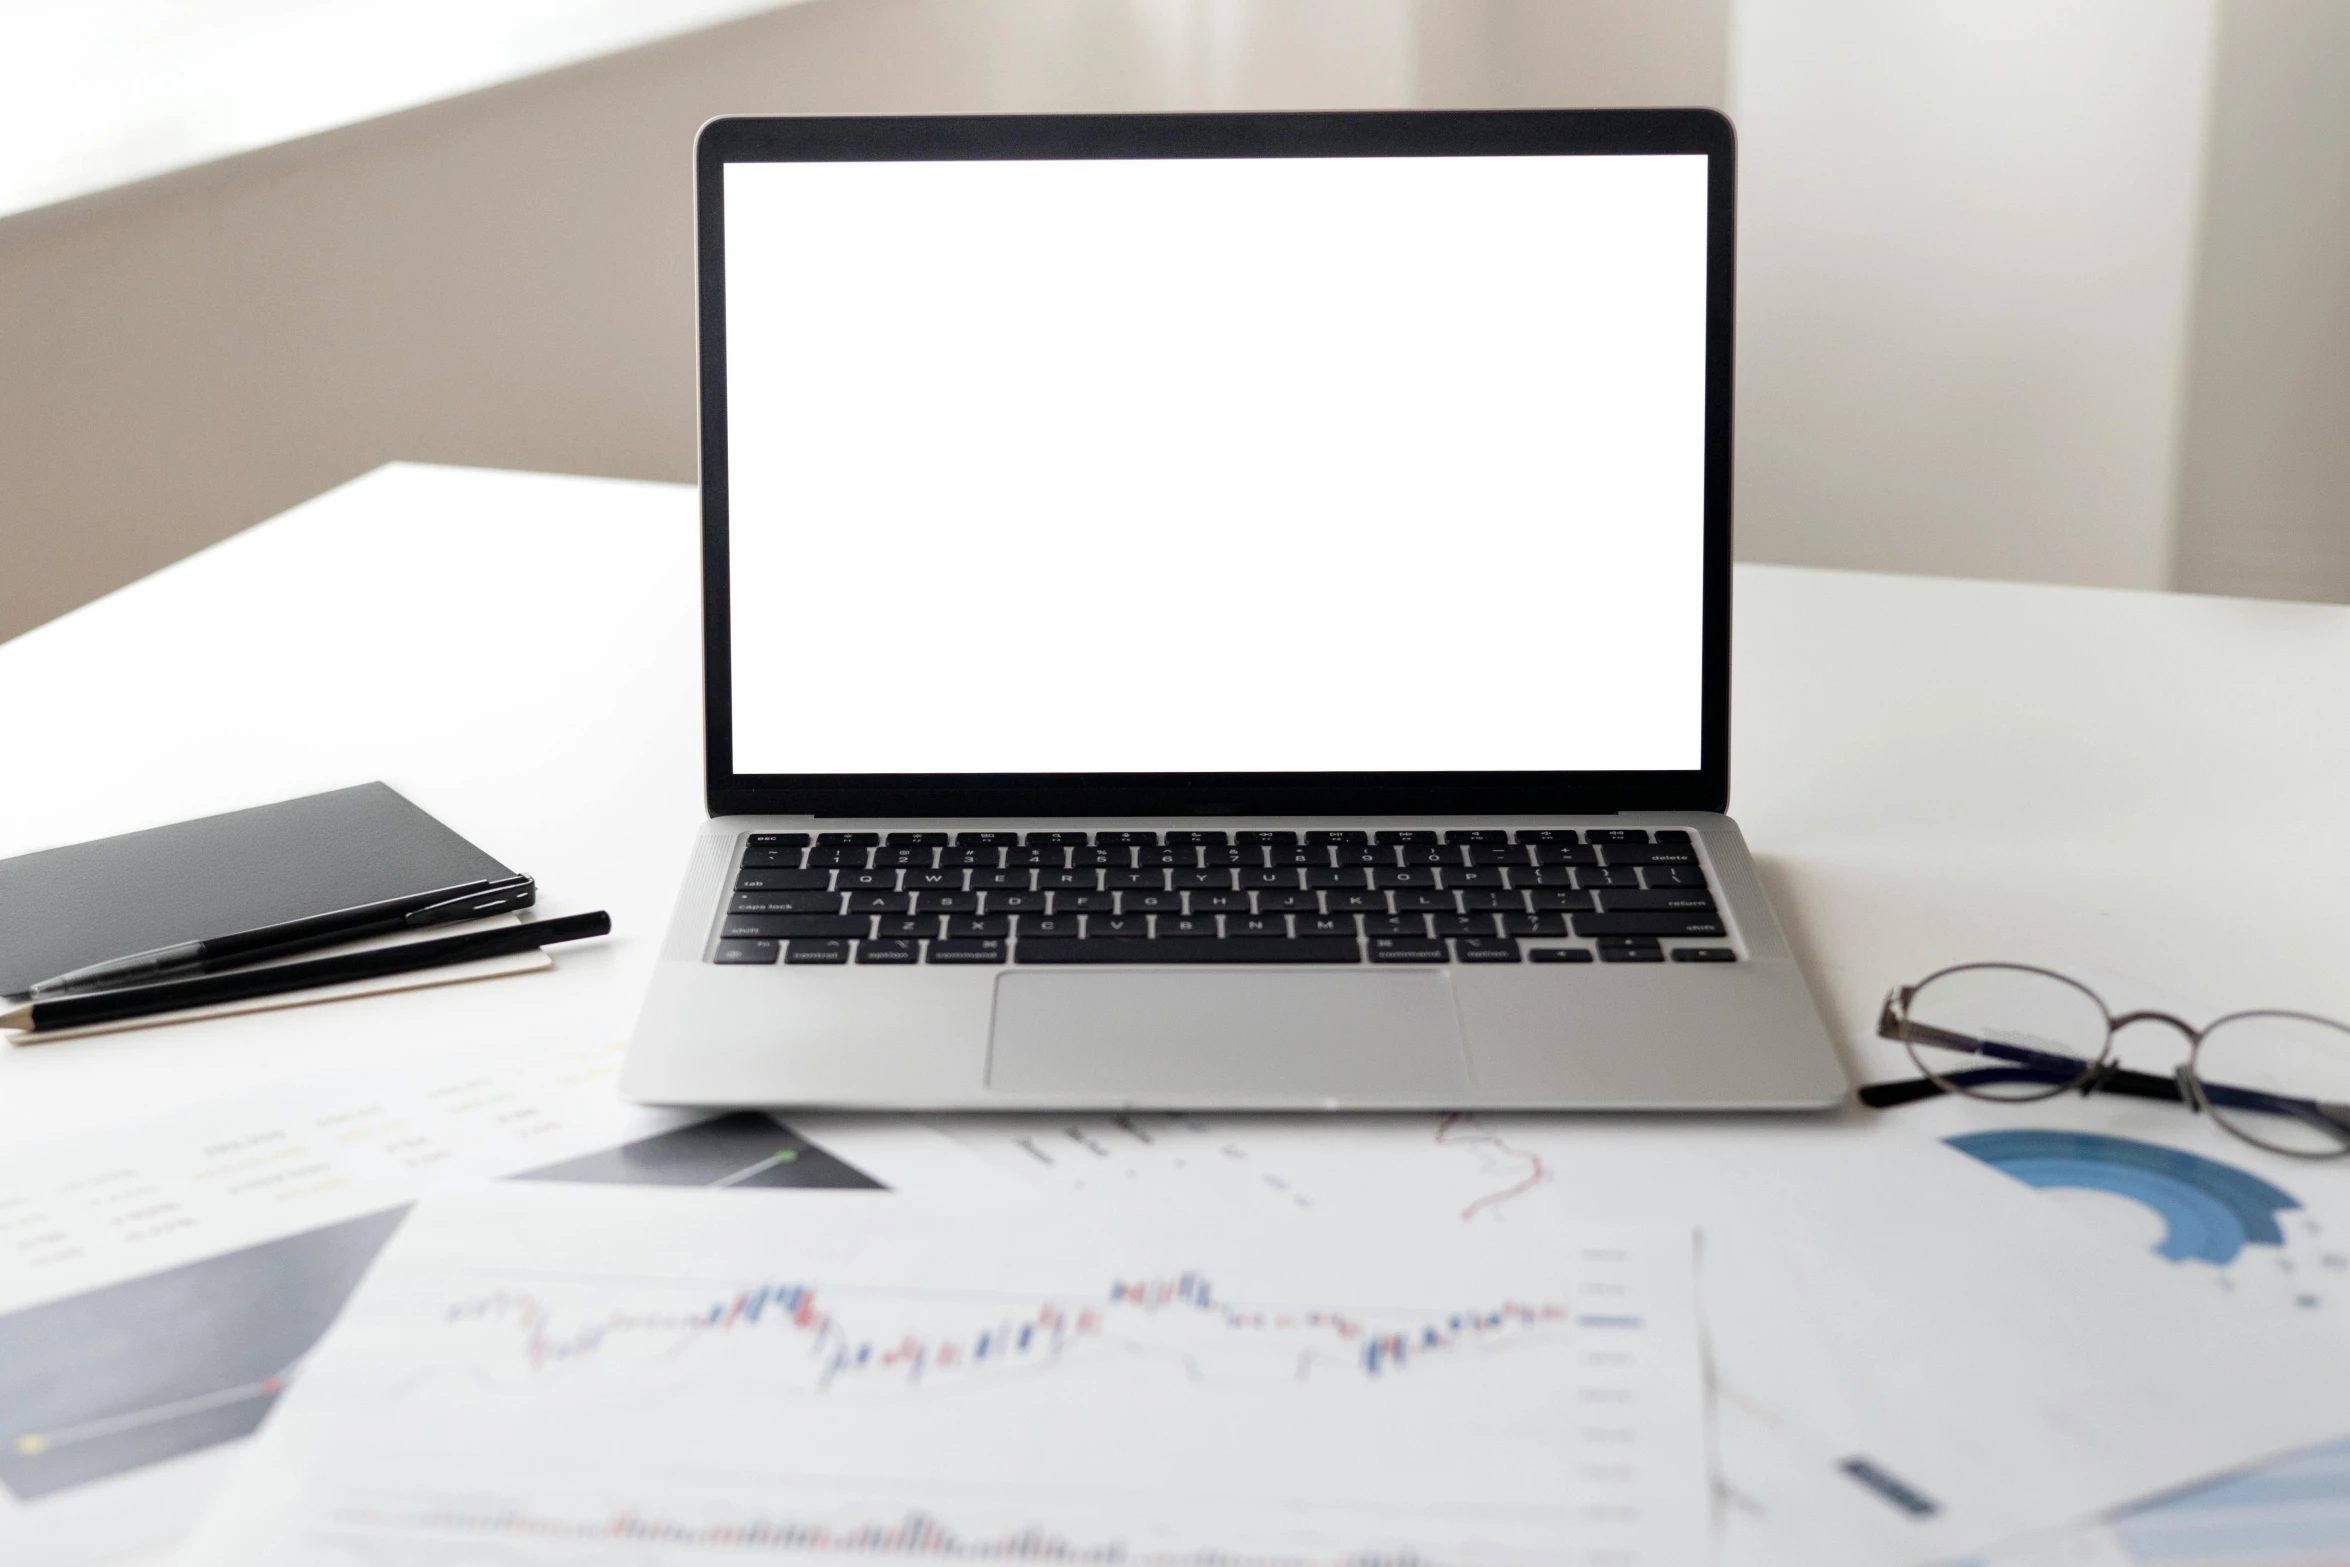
(1218, 1032)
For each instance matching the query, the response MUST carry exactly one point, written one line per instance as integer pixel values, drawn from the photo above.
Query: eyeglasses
(2011, 1032)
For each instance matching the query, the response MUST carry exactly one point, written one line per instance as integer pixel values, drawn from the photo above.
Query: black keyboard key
(1307, 857)
(1559, 954)
(1310, 949)
(1402, 835)
(1407, 949)
(1648, 854)
(756, 951)
(1069, 881)
(1337, 836)
(1253, 880)
(782, 881)
(1015, 902)
(1216, 881)
(914, 927)
(1480, 949)
(1002, 881)
(1050, 925)
(847, 840)
(1264, 839)
(986, 840)
(773, 859)
(1199, 837)
(1232, 854)
(1565, 854)
(1038, 859)
(1671, 835)
(1649, 925)
(916, 840)
(1409, 876)
(1132, 840)
(1209, 901)
(965, 925)
(853, 880)
(1326, 925)
(1631, 954)
(1549, 835)
(1085, 902)
(1541, 876)
(979, 860)
(1672, 875)
(784, 903)
(1256, 926)
(889, 950)
(1487, 900)
(823, 925)
(1117, 927)
(1145, 901)
(933, 881)
(833, 856)
(1055, 840)
(1134, 881)
(1629, 902)
(903, 855)
(1475, 876)
(1413, 901)
(1434, 854)
(1560, 900)
(946, 902)
(983, 951)
(748, 927)
(1287, 903)
(1190, 927)
(1464, 924)
(1175, 857)
(1355, 902)
(1588, 877)
(1395, 925)
(1372, 855)
(1500, 854)
(1704, 955)
(778, 840)
(879, 903)
(1615, 835)
(1477, 835)
(1534, 924)
(1327, 880)
(1120, 858)
(809, 950)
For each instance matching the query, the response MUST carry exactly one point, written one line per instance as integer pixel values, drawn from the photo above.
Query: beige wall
(2265, 488)
(505, 279)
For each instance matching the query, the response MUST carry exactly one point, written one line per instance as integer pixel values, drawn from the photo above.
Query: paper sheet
(642, 1377)
(159, 1284)
(1913, 1357)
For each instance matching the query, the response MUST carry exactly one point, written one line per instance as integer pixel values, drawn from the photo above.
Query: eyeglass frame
(2101, 1074)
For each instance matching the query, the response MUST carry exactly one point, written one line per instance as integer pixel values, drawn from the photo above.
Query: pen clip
(516, 892)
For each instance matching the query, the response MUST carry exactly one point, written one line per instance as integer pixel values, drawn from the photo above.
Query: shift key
(1648, 925)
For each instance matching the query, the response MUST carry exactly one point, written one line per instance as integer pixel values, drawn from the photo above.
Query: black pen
(173, 995)
(443, 905)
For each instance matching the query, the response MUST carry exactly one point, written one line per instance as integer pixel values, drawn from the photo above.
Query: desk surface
(1929, 770)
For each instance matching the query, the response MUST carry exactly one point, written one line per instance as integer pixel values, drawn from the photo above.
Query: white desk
(1929, 771)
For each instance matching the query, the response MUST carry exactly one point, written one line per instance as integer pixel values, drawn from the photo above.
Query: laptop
(1220, 611)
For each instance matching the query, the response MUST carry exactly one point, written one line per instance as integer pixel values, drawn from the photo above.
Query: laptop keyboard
(1545, 895)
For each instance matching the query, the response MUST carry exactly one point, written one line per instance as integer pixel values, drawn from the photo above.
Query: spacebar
(1188, 949)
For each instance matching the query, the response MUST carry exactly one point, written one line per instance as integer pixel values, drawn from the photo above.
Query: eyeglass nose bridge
(2192, 1033)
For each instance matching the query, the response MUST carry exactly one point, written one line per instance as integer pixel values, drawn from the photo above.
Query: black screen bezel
(1404, 133)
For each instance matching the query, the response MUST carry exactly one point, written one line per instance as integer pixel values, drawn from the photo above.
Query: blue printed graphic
(2210, 1211)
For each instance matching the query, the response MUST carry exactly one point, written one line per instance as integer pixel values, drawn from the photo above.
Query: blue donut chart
(2210, 1211)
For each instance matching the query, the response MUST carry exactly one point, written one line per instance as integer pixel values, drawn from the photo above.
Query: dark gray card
(63, 908)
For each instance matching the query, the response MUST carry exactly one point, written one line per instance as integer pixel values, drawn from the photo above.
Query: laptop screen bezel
(1388, 134)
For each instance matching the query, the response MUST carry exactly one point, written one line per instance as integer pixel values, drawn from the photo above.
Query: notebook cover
(63, 908)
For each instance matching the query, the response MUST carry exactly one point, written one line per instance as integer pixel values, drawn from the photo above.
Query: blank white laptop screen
(1216, 465)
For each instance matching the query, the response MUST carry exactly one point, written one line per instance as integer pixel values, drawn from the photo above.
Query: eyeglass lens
(2279, 1079)
(1998, 1031)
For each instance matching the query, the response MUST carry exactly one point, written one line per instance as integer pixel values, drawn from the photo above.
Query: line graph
(1011, 1331)
(1461, 1130)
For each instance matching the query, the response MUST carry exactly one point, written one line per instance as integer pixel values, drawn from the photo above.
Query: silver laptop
(1221, 611)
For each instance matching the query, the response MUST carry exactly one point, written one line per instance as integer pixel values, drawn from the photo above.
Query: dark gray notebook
(63, 908)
